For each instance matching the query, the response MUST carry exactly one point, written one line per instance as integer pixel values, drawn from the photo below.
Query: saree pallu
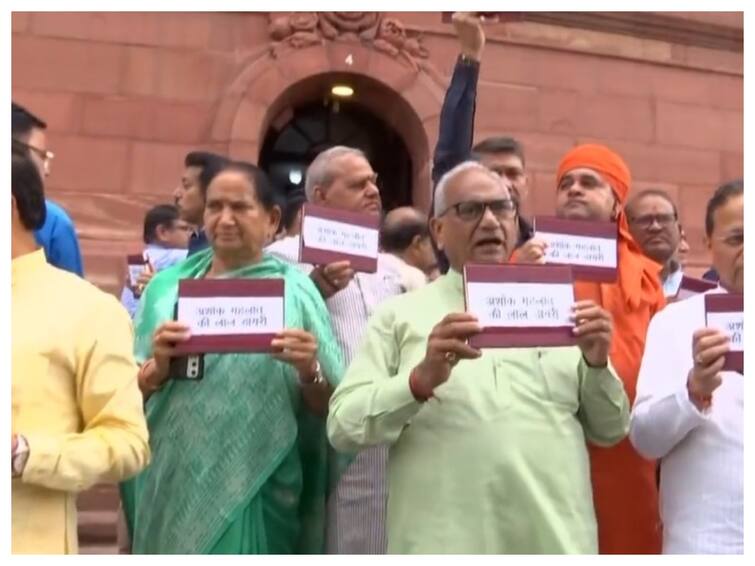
(239, 466)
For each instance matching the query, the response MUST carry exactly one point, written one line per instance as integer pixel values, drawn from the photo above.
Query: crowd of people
(373, 425)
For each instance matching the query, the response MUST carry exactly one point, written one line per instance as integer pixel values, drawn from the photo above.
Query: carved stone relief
(387, 35)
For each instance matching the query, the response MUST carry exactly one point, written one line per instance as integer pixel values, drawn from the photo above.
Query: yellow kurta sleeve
(373, 403)
(113, 443)
(604, 406)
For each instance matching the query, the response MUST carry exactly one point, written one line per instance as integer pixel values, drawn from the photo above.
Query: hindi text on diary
(505, 308)
(341, 238)
(232, 318)
(566, 251)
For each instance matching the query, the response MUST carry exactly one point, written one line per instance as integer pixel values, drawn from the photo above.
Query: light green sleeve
(373, 404)
(604, 406)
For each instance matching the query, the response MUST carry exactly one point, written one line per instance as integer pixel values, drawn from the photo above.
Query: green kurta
(496, 462)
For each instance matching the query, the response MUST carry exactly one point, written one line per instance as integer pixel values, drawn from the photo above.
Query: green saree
(239, 466)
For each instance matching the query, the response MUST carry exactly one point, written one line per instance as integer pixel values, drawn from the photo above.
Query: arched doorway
(290, 145)
(266, 92)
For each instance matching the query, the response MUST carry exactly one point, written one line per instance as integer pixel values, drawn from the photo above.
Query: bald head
(404, 215)
(405, 233)
(400, 227)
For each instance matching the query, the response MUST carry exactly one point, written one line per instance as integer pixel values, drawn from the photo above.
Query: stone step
(102, 496)
(99, 527)
(98, 549)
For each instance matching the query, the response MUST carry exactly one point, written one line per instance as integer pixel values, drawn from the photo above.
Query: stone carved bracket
(387, 35)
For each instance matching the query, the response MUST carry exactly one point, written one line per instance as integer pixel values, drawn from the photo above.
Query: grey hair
(445, 180)
(319, 172)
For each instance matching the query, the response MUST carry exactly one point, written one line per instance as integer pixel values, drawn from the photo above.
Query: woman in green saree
(239, 458)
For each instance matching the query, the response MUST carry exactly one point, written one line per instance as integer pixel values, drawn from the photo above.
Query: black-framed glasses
(647, 220)
(472, 210)
(44, 155)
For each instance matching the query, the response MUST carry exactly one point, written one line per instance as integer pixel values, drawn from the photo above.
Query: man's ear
(318, 195)
(617, 208)
(160, 232)
(275, 220)
(15, 217)
(436, 229)
(416, 242)
(707, 241)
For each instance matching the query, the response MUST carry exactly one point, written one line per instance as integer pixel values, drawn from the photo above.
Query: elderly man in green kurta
(487, 448)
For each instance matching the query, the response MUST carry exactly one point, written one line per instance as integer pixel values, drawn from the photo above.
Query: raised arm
(458, 112)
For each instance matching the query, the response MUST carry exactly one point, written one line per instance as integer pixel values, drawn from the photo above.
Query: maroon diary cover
(731, 306)
(526, 305)
(136, 265)
(591, 260)
(230, 315)
(322, 242)
(692, 286)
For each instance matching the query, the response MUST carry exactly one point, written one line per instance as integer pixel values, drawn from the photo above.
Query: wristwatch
(19, 457)
(319, 379)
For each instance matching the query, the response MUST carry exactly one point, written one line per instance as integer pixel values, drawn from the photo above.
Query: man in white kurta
(342, 178)
(487, 456)
(688, 413)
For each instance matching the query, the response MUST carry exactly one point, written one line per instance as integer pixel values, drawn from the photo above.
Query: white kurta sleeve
(663, 414)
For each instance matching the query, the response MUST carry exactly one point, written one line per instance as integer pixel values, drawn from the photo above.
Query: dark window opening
(286, 153)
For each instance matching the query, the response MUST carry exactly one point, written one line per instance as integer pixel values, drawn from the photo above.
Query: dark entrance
(288, 151)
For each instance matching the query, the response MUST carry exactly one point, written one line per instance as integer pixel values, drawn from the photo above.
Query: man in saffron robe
(593, 184)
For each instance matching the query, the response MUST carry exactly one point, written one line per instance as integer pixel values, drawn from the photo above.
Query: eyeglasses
(472, 210)
(43, 154)
(733, 240)
(182, 227)
(663, 220)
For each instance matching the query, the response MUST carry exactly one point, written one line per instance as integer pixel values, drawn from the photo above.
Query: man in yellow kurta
(487, 455)
(77, 416)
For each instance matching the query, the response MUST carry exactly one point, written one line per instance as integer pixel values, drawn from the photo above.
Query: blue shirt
(161, 258)
(198, 241)
(58, 237)
(672, 283)
(456, 131)
(711, 275)
(456, 134)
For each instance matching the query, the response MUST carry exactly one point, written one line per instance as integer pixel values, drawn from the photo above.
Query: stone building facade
(127, 95)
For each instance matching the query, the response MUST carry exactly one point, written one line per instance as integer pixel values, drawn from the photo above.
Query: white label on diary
(521, 304)
(334, 236)
(211, 316)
